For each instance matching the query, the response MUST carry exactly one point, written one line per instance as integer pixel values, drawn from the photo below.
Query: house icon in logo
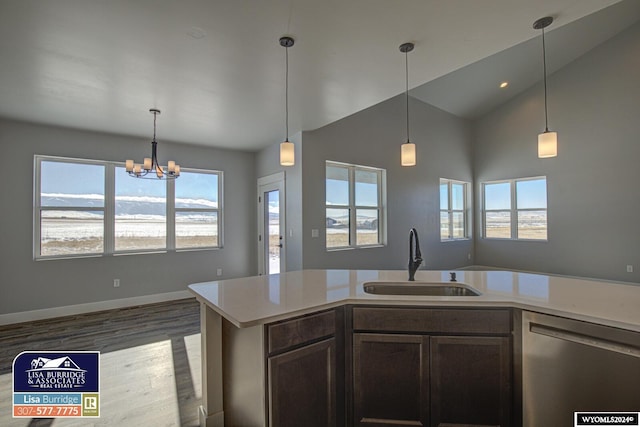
(60, 363)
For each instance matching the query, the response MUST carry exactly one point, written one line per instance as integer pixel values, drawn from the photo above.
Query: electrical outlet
(315, 233)
(116, 283)
(219, 272)
(629, 268)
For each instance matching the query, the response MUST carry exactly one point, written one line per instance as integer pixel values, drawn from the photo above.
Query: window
(71, 211)
(453, 210)
(197, 210)
(516, 209)
(140, 213)
(354, 206)
(85, 208)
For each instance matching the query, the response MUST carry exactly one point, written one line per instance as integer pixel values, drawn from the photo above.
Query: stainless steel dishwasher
(570, 366)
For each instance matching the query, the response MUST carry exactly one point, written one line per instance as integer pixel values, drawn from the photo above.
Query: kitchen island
(256, 327)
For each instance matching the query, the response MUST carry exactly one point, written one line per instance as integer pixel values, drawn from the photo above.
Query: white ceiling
(216, 70)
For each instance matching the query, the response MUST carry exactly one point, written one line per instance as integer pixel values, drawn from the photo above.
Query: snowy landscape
(140, 224)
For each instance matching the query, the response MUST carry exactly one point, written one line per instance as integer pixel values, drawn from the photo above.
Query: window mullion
(109, 209)
(352, 207)
(514, 210)
(450, 206)
(171, 214)
(37, 226)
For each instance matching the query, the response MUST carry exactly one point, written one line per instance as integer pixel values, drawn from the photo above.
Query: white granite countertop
(263, 299)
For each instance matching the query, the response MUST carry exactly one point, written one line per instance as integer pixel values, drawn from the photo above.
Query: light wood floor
(150, 363)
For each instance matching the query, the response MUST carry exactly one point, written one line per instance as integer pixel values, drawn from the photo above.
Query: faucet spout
(415, 259)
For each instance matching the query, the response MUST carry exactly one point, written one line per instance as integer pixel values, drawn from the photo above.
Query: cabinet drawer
(432, 320)
(291, 333)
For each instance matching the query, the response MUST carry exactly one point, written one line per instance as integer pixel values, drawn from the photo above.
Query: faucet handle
(453, 276)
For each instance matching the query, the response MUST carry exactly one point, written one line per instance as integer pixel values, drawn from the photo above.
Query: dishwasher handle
(588, 340)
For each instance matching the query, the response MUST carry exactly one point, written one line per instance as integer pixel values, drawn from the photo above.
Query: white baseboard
(48, 313)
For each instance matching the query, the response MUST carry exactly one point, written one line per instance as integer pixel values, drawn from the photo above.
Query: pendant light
(287, 149)
(150, 168)
(547, 140)
(408, 149)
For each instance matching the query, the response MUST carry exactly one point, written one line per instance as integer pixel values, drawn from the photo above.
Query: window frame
(38, 208)
(466, 200)
(514, 210)
(173, 210)
(353, 208)
(109, 211)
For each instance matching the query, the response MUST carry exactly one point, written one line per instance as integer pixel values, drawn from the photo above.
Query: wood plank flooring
(150, 362)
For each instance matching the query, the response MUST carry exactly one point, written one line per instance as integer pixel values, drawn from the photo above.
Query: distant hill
(125, 205)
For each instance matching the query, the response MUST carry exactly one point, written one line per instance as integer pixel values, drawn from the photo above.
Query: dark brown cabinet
(305, 371)
(470, 381)
(303, 386)
(391, 377)
(431, 367)
(371, 366)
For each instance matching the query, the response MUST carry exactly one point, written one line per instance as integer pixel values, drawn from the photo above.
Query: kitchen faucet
(414, 262)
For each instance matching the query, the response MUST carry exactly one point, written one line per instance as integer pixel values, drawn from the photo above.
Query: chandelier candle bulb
(136, 169)
(171, 166)
(128, 165)
(177, 170)
(147, 163)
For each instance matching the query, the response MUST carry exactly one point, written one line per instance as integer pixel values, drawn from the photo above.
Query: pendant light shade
(408, 149)
(287, 153)
(408, 154)
(547, 144)
(547, 140)
(287, 149)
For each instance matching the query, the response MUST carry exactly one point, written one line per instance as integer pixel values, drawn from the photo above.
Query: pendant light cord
(544, 65)
(286, 96)
(406, 69)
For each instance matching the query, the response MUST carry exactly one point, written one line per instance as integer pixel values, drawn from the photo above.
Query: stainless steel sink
(441, 289)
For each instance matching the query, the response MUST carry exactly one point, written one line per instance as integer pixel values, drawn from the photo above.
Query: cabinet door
(391, 380)
(470, 381)
(302, 386)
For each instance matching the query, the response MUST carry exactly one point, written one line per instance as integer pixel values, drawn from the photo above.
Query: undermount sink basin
(440, 289)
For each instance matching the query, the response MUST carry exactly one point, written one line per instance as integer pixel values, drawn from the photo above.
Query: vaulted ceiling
(217, 71)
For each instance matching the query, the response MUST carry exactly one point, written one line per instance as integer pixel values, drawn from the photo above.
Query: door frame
(267, 183)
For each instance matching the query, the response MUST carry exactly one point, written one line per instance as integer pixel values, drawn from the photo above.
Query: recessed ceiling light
(504, 84)
(196, 32)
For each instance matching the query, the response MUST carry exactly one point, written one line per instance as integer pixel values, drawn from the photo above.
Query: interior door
(271, 224)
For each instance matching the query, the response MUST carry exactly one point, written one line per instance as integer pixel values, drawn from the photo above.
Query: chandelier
(150, 168)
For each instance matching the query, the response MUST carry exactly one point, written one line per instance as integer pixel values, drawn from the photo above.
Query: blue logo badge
(56, 384)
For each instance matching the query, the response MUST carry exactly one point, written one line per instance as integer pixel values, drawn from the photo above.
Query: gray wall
(26, 284)
(268, 163)
(593, 184)
(372, 137)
